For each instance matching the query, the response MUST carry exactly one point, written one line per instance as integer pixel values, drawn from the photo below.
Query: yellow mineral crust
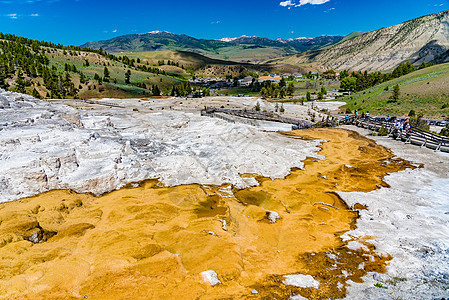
(147, 241)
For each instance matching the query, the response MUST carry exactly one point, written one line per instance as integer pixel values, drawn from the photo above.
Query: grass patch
(424, 91)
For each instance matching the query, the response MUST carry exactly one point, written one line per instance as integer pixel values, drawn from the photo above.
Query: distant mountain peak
(158, 32)
(228, 39)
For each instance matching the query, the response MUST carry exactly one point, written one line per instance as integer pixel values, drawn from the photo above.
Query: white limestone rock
(210, 277)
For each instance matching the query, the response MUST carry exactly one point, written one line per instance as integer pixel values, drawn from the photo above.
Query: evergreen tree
(282, 92)
(3, 84)
(156, 91)
(174, 92)
(282, 83)
(97, 77)
(36, 94)
(106, 73)
(396, 93)
(127, 77)
(82, 78)
(290, 89)
(308, 96)
(323, 90)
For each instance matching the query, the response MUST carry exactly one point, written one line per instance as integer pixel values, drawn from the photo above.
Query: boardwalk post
(424, 144)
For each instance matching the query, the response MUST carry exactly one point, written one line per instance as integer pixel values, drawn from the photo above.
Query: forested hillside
(47, 70)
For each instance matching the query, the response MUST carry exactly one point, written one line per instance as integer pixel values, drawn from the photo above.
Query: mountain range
(240, 49)
(424, 39)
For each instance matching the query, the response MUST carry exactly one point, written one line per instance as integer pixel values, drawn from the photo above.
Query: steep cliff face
(422, 39)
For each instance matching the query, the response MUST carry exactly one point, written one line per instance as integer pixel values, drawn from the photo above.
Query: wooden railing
(416, 136)
(255, 115)
(103, 103)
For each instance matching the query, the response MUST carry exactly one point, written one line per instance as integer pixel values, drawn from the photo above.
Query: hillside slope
(425, 91)
(46, 70)
(422, 39)
(201, 65)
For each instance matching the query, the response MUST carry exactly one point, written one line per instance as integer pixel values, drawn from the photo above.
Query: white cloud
(17, 16)
(290, 3)
(286, 3)
(114, 31)
(16, 2)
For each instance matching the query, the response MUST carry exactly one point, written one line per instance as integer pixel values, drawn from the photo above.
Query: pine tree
(282, 83)
(323, 90)
(127, 77)
(106, 73)
(308, 96)
(396, 93)
(156, 91)
(36, 94)
(290, 89)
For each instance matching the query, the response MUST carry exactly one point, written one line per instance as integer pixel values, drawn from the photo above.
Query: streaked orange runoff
(152, 242)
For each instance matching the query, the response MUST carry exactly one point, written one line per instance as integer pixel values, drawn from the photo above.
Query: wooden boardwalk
(99, 102)
(416, 137)
(249, 114)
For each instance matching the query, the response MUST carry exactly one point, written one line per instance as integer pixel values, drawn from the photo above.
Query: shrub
(445, 131)
(379, 285)
(383, 131)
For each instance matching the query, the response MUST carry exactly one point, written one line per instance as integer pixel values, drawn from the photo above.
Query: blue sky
(78, 21)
